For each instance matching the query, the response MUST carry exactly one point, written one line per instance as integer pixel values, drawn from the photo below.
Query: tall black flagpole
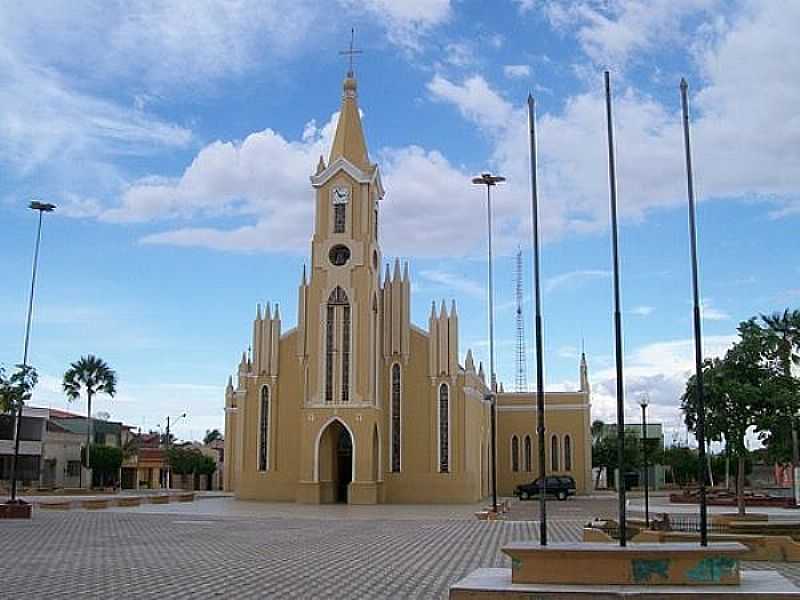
(612, 182)
(698, 339)
(540, 429)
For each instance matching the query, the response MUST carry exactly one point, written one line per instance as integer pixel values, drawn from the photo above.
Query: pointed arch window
(263, 430)
(554, 452)
(514, 454)
(444, 428)
(396, 432)
(337, 345)
(567, 453)
(527, 454)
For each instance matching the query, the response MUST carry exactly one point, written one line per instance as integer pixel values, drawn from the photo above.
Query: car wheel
(524, 496)
(561, 495)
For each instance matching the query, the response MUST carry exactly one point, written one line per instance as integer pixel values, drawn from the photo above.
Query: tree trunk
(740, 487)
(89, 433)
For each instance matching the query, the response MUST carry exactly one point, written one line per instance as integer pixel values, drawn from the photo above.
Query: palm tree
(784, 329)
(93, 375)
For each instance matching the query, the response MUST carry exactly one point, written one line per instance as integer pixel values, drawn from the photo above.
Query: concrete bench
(771, 548)
(159, 499)
(185, 497)
(635, 564)
(56, 505)
(134, 501)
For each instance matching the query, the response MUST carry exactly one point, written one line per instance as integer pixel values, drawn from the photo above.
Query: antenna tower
(522, 381)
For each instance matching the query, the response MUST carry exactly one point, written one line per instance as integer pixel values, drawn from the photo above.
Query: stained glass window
(444, 429)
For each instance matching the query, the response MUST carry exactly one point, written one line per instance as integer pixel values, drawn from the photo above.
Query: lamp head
(644, 400)
(488, 179)
(42, 206)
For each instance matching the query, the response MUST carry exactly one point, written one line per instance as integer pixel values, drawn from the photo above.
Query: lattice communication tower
(521, 380)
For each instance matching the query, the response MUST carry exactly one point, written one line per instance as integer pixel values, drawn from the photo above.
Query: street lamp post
(644, 400)
(168, 444)
(490, 181)
(42, 207)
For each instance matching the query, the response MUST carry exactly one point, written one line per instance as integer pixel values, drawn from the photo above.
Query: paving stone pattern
(81, 554)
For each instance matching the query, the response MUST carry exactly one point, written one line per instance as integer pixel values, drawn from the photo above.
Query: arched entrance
(335, 456)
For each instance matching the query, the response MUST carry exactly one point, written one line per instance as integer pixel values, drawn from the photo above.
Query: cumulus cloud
(661, 369)
(453, 282)
(610, 32)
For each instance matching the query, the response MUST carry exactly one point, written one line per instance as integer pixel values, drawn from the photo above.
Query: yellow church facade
(356, 403)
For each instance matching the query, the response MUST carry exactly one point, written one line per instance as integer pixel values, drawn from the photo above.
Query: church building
(358, 404)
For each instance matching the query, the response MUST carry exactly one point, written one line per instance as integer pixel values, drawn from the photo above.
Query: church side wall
(279, 481)
(420, 480)
(565, 415)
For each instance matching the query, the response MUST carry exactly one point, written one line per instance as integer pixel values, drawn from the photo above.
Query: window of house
(567, 453)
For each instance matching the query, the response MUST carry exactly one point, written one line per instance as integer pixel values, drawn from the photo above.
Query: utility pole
(41, 207)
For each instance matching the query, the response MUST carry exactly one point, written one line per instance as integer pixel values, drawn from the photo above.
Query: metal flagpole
(540, 428)
(612, 182)
(698, 340)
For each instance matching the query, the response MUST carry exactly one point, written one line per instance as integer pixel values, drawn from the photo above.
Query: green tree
(16, 389)
(92, 375)
(742, 392)
(682, 463)
(783, 331)
(212, 435)
(604, 455)
(106, 462)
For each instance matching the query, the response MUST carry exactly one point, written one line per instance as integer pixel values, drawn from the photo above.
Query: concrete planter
(17, 510)
(159, 499)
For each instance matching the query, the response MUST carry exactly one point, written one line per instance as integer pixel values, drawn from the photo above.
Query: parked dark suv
(562, 487)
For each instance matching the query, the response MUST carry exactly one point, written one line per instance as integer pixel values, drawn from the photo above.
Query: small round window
(339, 255)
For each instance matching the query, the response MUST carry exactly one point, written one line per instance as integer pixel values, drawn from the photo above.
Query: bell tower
(342, 297)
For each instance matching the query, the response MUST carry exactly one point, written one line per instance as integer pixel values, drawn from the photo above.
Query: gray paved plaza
(224, 548)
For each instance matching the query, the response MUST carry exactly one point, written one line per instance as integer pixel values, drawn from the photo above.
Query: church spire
(349, 140)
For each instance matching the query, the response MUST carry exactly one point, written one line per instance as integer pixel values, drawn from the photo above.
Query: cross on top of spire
(351, 51)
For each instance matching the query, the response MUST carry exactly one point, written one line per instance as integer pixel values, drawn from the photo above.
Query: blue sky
(178, 139)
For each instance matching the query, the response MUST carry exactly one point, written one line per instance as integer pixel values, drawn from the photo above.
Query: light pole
(168, 443)
(490, 181)
(42, 207)
(698, 337)
(644, 400)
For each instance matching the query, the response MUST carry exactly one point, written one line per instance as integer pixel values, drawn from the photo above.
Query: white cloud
(265, 176)
(643, 311)
(516, 71)
(573, 278)
(407, 21)
(474, 99)
(711, 313)
(453, 282)
(43, 119)
(661, 369)
(165, 44)
(746, 141)
(610, 32)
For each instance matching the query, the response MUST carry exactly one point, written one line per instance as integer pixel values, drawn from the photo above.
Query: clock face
(340, 194)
